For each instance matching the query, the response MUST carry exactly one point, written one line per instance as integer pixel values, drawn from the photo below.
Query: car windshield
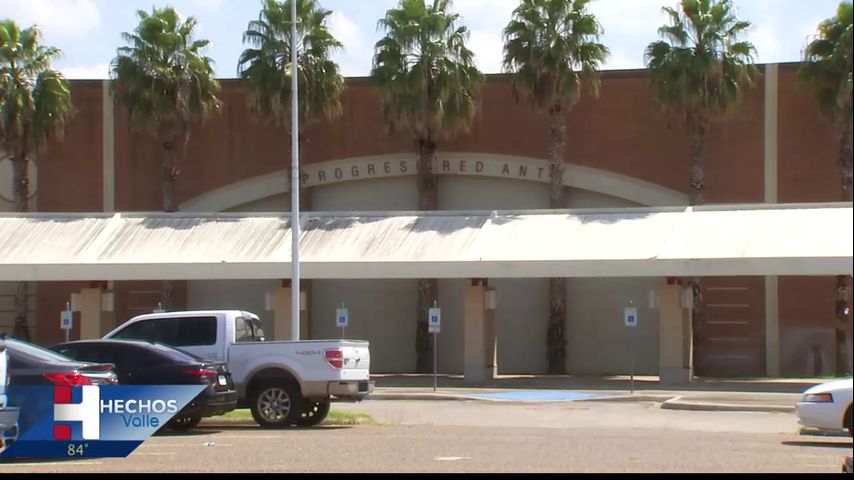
(36, 351)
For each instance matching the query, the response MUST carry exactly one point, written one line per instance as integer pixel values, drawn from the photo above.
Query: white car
(827, 407)
(8, 415)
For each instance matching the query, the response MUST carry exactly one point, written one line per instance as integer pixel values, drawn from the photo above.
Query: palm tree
(166, 84)
(429, 88)
(699, 71)
(35, 105)
(266, 66)
(827, 69)
(551, 47)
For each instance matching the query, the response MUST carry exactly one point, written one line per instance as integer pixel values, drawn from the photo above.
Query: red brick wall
(623, 131)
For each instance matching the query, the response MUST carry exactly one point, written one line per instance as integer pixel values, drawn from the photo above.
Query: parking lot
(445, 436)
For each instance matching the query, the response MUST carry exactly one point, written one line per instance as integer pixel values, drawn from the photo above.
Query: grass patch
(335, 417)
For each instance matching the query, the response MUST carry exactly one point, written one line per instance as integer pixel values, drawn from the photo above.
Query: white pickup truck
(283, 383)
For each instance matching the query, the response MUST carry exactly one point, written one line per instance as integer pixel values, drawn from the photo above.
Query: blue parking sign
(631, 317)
(342, 317)
(434, 320)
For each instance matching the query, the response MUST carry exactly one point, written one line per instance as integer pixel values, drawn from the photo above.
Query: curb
(666, 402)
(678, 404)
(461, 398)
(417, 396)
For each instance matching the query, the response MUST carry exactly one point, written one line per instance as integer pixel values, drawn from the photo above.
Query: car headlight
(818, 398)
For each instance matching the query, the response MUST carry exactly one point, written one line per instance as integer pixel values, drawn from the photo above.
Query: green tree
(827, 69)
(699, 71)
(166, 84)
(429, 88)
(552, 48)
(35, 105)
(266, 66)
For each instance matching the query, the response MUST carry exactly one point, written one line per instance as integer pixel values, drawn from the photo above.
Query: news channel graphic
(92, 421)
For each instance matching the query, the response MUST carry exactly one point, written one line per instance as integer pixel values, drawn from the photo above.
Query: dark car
(34, 366)
(141, 363)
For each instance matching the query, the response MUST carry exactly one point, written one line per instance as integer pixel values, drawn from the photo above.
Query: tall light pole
(295, 227)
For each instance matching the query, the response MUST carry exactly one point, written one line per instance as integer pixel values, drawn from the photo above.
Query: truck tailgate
(357, 361)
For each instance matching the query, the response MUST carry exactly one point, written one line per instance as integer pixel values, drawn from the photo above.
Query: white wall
(597, 340)
(8, 289)
(522, 312)
(381, 311)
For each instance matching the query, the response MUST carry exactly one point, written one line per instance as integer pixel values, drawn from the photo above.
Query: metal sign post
(434, 323)
(342, 319)
(66, 321)
(631, 319)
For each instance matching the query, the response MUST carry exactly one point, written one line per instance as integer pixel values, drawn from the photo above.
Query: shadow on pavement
(238, 427)
(187, 433)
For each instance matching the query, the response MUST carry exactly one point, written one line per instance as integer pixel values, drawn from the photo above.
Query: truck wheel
(276, 405)
(183, 424)
(313, 414)
(849, 421)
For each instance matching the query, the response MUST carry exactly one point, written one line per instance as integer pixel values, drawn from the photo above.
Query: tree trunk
(844, 352)
(845, 160)
(21, 197)
(698, 161)
(174, 148)
(428, 289)
(697, 197)
(556, 334)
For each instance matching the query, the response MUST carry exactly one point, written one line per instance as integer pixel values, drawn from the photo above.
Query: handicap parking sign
(342, 317)
(434, 322)
(631, 317)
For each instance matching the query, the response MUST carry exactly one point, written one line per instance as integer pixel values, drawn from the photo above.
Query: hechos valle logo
(86, 412)
(141, 413)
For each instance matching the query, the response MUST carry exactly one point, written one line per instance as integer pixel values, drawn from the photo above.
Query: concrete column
(108, 143)
(91, 313)
(675, 356)
(479, 337)
(772, 327)
(491, 338)
(281, 303)
(771, 147)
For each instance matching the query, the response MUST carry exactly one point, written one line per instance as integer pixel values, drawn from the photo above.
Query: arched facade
(382, 311)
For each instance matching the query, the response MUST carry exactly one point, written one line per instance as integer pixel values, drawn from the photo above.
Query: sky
(89, 31)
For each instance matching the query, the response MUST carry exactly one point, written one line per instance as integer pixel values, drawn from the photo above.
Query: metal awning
(814, 239)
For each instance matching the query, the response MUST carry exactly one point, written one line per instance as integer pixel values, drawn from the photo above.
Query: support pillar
(772, 328)
(480, 338)
(675, 332)
(280, 304)
(91, 313)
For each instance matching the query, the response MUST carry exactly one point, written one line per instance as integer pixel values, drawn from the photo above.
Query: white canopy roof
(702, 241)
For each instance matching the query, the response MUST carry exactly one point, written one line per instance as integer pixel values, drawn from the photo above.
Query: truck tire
(849, 421)
(313, 414)
(276, 404)
(183, 424)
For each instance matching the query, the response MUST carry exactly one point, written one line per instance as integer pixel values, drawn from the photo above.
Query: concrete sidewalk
(749, 395)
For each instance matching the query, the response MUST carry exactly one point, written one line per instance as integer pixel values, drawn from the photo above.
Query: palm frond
(428, 82)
